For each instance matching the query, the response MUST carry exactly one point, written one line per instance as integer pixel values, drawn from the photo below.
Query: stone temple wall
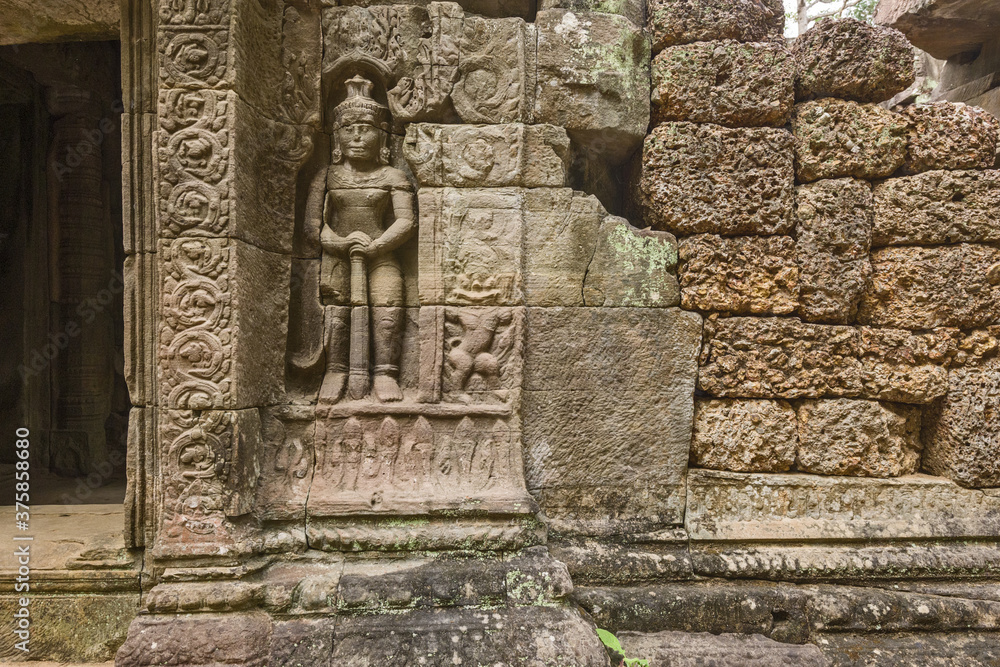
(408, 390)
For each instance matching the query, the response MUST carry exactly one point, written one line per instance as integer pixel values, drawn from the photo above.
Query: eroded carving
(413, 463)
(482, 353)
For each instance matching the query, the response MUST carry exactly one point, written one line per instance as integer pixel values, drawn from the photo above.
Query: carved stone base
(462, 636)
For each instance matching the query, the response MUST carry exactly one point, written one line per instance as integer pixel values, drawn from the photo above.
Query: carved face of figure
(360, 142)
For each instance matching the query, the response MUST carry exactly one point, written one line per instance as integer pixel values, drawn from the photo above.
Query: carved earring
(384, 155)
(336, 155)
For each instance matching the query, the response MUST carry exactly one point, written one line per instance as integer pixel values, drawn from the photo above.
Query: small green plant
(612, 644)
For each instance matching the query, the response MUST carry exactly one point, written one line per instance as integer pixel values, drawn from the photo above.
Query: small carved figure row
(371, 457)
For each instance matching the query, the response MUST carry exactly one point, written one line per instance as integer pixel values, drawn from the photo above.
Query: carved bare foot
(387, 389)
(333, 387)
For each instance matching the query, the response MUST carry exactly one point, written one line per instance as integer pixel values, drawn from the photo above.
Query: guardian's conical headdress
(360, 106)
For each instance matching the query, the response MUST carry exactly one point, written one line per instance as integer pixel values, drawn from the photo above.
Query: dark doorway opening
(61, 261)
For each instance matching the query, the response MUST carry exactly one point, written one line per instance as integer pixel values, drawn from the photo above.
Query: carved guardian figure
(369, 213)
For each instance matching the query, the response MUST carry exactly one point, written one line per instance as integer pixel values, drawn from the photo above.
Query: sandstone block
(949, 135)
(924, 288)
(852, 60)
(672, 22)
(962, 431)
(843, 436)
(834, 232)
(835, 138)
(709, 179)
(779, 358)
(533, 156)
(561, 232)
(739, 275)
(608, 402)
(806, 507)
(725, 82)
(632, 268)
(937, 207)
(593, 79)
(744, 435)
(690, 649)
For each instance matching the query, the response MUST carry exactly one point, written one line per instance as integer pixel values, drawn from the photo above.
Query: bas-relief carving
(193, 166)
(369, 213)
(209, 471)
(413, 413)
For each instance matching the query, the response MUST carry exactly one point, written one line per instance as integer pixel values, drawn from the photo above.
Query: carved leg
(388, 349)
(337, 339)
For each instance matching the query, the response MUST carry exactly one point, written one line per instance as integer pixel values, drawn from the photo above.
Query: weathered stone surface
(958, 649)
(962, 431)
(745, 275)
(672, 22)
(833, 238)
(197, 640)
(905, 366)
(632, 268)
(583, 438)
(26, 21)
(561, 232)
(532, 156)
(225, 318)
(949, 135)
(744, 435)
(924, 288)
(776, 611)
(725, 82)
(779, 358)
(602, 562)
(843, 436)
(976, 346)
(593, 79)
(937, 207)
(794, 561)
(300, 642)
(835, 138)
(496, 66)
(852, 60)
(871, 609)
(710, 179)
(784, 358)
(805, 507)
(557, 635)
(69, 626)
(687, 649)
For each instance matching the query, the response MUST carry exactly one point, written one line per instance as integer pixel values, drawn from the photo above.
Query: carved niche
(404, 380)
